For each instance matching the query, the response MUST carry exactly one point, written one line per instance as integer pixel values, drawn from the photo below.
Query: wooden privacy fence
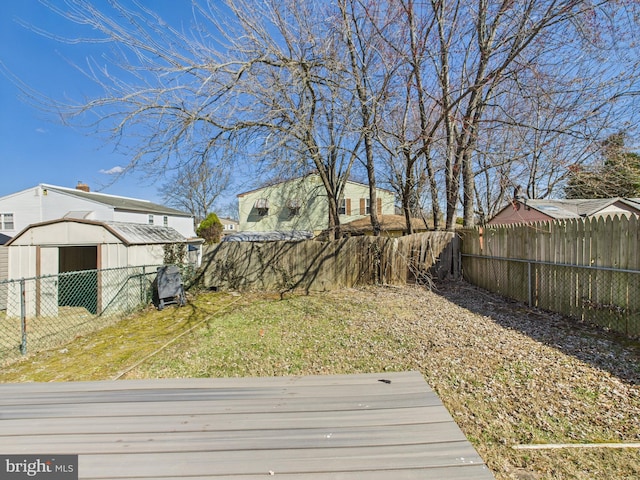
(317, 266)
(588, 269)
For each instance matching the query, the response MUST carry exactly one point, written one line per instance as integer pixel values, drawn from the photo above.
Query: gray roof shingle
(119, 203)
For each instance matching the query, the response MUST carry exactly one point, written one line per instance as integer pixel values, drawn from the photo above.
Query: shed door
(78, 289)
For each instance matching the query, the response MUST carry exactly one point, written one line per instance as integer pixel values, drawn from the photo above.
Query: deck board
(321, 427)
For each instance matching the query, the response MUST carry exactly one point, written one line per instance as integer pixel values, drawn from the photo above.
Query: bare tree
(262, 79)
(196, 187)
(371, 71)
(461, 97)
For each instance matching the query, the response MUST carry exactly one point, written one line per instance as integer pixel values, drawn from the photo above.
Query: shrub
(210, 229)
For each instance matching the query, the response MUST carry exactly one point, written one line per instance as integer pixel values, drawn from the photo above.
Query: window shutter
(348, 207)
(363, 210)
(379, 206)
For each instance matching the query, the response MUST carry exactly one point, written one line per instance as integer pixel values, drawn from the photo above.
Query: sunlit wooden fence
(588, 269)
(317, 266)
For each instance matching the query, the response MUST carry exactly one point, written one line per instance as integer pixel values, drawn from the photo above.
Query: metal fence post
(23, 317)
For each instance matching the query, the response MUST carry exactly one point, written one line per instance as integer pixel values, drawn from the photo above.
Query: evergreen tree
(617, 176)
(210, 229)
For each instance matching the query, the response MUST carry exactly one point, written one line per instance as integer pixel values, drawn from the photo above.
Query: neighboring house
(301, 204)
(530, 211)
(229, 226)
(49, 202)
(47, 249)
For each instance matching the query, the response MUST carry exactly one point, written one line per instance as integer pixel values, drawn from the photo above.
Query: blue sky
(34, 146)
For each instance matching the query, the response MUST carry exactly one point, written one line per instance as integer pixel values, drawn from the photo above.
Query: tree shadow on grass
(607, 350)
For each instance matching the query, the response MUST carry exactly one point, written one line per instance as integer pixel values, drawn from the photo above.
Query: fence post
(23, 318)
(530, 286)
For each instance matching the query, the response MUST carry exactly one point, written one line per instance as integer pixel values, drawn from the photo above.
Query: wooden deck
(317, 427)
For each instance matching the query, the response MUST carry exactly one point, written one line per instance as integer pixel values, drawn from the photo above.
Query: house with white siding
(44, 202)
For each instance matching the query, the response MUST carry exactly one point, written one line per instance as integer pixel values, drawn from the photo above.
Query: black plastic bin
(168, 287)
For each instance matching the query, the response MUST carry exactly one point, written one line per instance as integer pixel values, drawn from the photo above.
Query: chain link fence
(608, 297)
(45, 312)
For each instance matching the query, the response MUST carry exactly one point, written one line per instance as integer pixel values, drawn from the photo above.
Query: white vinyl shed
(71, 245)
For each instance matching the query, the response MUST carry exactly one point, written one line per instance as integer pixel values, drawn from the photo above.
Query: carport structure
(365, 426)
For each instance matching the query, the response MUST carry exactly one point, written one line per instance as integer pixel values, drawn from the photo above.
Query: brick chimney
(83, 186)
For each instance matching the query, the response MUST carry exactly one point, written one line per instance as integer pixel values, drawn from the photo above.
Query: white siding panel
(25, 206)
(56, 205)
(146, 255)
(114, 256)
(22, 264)
(4, 263)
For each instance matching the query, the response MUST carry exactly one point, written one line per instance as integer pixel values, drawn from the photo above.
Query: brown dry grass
(507, 374)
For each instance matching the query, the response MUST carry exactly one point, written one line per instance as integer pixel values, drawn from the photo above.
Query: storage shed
(71, 245)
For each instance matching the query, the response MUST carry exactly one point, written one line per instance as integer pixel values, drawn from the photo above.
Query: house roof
(573, 208)
(128, 233)
(387, 223)
(118, 202)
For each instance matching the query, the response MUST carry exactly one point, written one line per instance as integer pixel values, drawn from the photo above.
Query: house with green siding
(301, 204)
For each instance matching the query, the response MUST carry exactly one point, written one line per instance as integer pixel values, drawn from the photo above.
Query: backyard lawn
(510, 376)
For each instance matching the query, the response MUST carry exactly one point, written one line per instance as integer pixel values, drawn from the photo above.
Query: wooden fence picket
(584, 268)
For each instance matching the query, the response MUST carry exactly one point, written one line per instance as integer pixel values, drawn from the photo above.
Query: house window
(229, 226)
(294, 206)
(367, 206)
(342, 208)
(150, 219)
(262, 205)
(165, 221)
(6, 221)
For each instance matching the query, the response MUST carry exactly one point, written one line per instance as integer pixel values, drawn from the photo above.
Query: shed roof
(128, 233)
(138, 234)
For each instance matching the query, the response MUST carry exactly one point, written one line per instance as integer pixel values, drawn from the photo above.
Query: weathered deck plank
(321, 427)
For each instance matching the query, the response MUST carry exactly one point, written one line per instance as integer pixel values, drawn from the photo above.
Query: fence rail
(587, 269)
(44, 312)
